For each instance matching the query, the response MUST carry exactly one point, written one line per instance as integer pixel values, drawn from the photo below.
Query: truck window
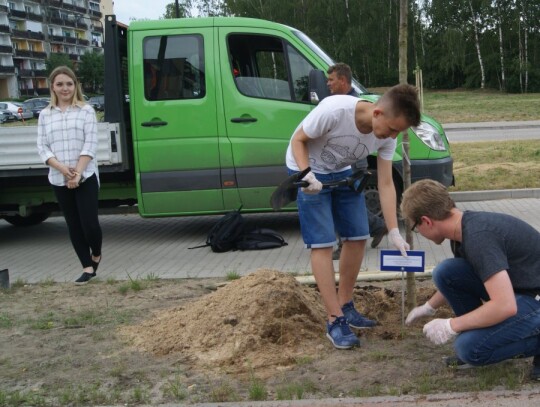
(266, 67)
(174, 67)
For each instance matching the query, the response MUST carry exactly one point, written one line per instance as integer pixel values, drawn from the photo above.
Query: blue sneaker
(355, 319)
(340, 334)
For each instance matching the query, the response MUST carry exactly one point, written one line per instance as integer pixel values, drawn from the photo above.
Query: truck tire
(373, 203)
(31, 220)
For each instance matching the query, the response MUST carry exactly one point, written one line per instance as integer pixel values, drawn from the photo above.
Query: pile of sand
(263, 319)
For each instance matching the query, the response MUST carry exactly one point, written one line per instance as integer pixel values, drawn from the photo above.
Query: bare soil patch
(189, 341)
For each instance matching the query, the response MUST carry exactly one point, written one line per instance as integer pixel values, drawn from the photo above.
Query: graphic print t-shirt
(336, 142)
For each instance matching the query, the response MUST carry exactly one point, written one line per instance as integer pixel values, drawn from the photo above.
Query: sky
(149, 9)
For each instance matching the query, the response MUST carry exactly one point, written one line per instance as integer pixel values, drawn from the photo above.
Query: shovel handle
(355, 183)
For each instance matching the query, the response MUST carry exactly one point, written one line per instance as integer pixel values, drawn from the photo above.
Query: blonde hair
(78, 98)
(426, 198)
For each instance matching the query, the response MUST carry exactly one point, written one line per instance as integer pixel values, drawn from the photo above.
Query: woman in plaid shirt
(67, 143)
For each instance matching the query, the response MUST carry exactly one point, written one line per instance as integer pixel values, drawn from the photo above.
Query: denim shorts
(332, 210)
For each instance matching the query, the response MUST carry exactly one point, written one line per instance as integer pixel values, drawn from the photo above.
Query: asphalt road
(492, 131)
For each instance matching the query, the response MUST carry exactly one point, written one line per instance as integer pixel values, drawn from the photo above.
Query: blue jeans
(332, 210)
(517, 336)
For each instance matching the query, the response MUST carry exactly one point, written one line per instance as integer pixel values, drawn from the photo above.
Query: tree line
(456, 43)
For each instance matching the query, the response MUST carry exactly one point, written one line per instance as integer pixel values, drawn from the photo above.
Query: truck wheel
(31, 220)
(373, 203)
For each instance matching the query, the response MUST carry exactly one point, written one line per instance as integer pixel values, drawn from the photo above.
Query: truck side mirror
(318, 89)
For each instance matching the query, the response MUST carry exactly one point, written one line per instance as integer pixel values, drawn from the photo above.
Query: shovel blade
(287, 191)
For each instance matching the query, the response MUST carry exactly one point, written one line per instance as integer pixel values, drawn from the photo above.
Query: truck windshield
(326, 58)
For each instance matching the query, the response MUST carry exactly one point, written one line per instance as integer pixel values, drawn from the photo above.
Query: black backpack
(224, 234)
(260, 239)
(229, 233)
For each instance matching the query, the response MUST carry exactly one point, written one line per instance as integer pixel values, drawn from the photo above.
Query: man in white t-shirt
(340, 131)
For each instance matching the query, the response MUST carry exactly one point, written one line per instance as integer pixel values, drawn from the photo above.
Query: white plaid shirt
(66, 136)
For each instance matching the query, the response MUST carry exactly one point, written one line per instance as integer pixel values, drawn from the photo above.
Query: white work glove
(314, 186)
(398, 241)
(425, 310)
(439, 331)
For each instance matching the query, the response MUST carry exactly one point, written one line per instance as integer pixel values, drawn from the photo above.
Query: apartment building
(31, 30)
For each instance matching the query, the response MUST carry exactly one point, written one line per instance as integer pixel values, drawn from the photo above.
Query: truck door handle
(243, 120)
(154, 124)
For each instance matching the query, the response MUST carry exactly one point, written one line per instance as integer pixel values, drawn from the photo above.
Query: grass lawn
(462, 106)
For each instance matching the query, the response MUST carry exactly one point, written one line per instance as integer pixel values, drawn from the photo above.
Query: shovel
(287, 191)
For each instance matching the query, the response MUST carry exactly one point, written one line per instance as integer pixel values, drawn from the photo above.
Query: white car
(17, 109)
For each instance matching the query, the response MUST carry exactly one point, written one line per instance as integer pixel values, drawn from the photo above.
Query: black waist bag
(260, 239)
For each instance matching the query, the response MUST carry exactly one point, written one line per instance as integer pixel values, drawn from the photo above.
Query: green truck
(198, 116)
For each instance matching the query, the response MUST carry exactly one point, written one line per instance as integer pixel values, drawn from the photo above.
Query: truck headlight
(429, 136)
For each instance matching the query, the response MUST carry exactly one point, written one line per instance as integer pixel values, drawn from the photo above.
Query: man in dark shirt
(492, 284)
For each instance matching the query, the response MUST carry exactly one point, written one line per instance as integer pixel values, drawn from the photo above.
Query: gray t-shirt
(493, 242)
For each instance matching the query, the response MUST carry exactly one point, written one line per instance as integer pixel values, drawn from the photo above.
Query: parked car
(7, 116)
(17, 109)
(36, 105)
(97, 102)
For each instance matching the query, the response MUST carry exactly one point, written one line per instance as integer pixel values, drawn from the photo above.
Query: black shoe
(85, 277)
(535, 372)
(378, 236)
(456, 363)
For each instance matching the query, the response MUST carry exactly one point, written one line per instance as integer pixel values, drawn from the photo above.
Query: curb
(491, 195)
(492, 125)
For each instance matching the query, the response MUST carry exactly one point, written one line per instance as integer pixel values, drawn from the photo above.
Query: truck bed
(18, 150)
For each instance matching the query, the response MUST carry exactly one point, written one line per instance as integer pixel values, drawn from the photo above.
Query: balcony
(23, 53)
(55, 3)
(74, 57)
(81, 41)
(35, 17)
(7, 69)
(32, 73)
(95, 13)
(56, 20)
(81, 25)
(71, 40)
(69, 23)
(68, 6)
(80, 9)
(37, 36)
(4, 29)
(17, 13)
(56, 38)
(28, 34)
(26, 73)
(4, 9)
(6, 49)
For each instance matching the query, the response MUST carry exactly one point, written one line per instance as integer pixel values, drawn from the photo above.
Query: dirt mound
(261, 320)
(265, 318)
